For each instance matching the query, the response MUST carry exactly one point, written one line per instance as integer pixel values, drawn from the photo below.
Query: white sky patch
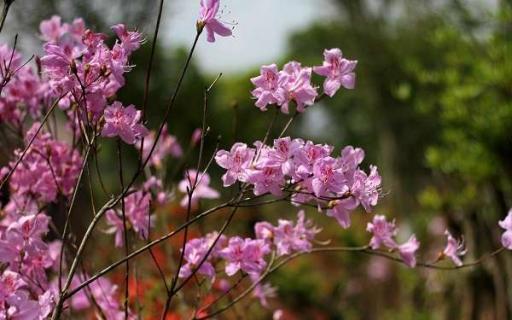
(259, 36)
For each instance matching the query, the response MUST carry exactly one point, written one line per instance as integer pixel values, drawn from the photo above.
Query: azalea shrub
(60, 112)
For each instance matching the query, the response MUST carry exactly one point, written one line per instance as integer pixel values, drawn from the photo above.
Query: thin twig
(5, 11)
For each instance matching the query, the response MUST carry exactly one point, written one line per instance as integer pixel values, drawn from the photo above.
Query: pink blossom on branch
(290, 237)
(296, 84)
(137, 213)
(408, 250)
(454, 249)
(293, 83)
(130, 40)
(335, 183)
(167, 145)
(382, 232)
(246, 255)
(506, 238)
(236, 162)
(198, 185)
(267, 91)
(209, 20)
(195, 252)
(337, 70)
(123, 122)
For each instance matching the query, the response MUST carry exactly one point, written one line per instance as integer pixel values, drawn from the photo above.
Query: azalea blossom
(195, 252)
(123, 122)
(337, 70)
(208, 19)
(267, 91)
(246, 255)
(137, 214)
(289, 238)
(506, 238)
(296, 84)
(454, 249)
(341, 211)
(237, 161)
(198, 185)
(408, 251)
(382, 232)
(167, 145)
(130, 40)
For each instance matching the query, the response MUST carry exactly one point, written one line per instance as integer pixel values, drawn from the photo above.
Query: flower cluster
(293, 83)
(306, 171)
(49, 167)
(123, 122)
(196, 185)
(22, 92)
(81, 70)
(383, 234)
(27, 258)
(81, 73)
(247, 255)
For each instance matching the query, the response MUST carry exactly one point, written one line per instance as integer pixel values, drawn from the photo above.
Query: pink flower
(236, 162)
(327, 179)
(208, 19)
(154, 186)
(382, 231)
(264, 230)
(408, 251)
(289, 238)
(195, 252)
(267, 179)
(263, 291)
(116, 227)
(351, 158)
(104, 294)
(246, 255)
(130, 40)
(366, 187)
(196, 136)
(123, 122)
(267, 89)
(52, 29)
(506, 238)
(136, 209)
(49, 168)
(283, 153)
(166, 145)
(454, 249)
(15, 301)
(342, 209)
(337, 70)
(306, 156)
(296, 83)
(198, 184)
(307, 171)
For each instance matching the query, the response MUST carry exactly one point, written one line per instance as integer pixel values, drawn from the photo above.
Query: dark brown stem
(5, 11)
